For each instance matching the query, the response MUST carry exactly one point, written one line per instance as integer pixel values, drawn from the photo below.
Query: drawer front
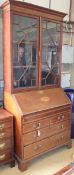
(6, 144)
(27, 127)
(6, 124)
(59, 127)
(5, 156)
(46, 144)
(7, 133)
(35, 149)
(50, 119)
(45, 132)
(59, 117)
(59, 139)
(35, 136)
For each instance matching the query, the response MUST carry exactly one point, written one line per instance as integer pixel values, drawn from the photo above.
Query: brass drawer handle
(62, 126)
(2, 135)
(2, 145)
(59, 118)
(2, 157)
(37, 147)
(36, 125)
(62, 116)
(61, 137)
(2, 126)
(39, 125)
(37, 134)
(40, 146)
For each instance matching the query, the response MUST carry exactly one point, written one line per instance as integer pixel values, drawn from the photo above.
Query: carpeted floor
(47, 164)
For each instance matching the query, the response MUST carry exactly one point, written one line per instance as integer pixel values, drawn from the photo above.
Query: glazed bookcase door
(25, 41)
(50, 53)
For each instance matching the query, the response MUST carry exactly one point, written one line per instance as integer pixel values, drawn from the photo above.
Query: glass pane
(24, 51)
(50, 52)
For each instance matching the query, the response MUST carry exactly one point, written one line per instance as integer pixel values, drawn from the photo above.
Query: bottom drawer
(5, 156)
(36, 148)
(46, 144)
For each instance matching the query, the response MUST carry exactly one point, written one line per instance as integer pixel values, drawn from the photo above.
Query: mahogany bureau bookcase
(6, 138)
(32, 41)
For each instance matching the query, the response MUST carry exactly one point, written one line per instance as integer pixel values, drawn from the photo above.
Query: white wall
(61, 5)
(43, 3)
(72, 11)
(1, 1)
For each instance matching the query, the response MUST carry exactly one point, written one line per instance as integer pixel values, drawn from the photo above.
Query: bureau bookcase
(32, 40)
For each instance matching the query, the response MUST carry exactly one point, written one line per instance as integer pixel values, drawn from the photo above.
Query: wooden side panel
(7, 50)
(11, 105)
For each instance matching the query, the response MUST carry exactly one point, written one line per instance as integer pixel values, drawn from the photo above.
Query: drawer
(7, 133)
(59, 127)
(4, 125)
(50, 119)
(59, 139)
(59, 117)
(35, 135)
(5, 156)
(36, 148)
(63, 126)
(27, 127)
(46, 144)
(6, 144)
(45, 132)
